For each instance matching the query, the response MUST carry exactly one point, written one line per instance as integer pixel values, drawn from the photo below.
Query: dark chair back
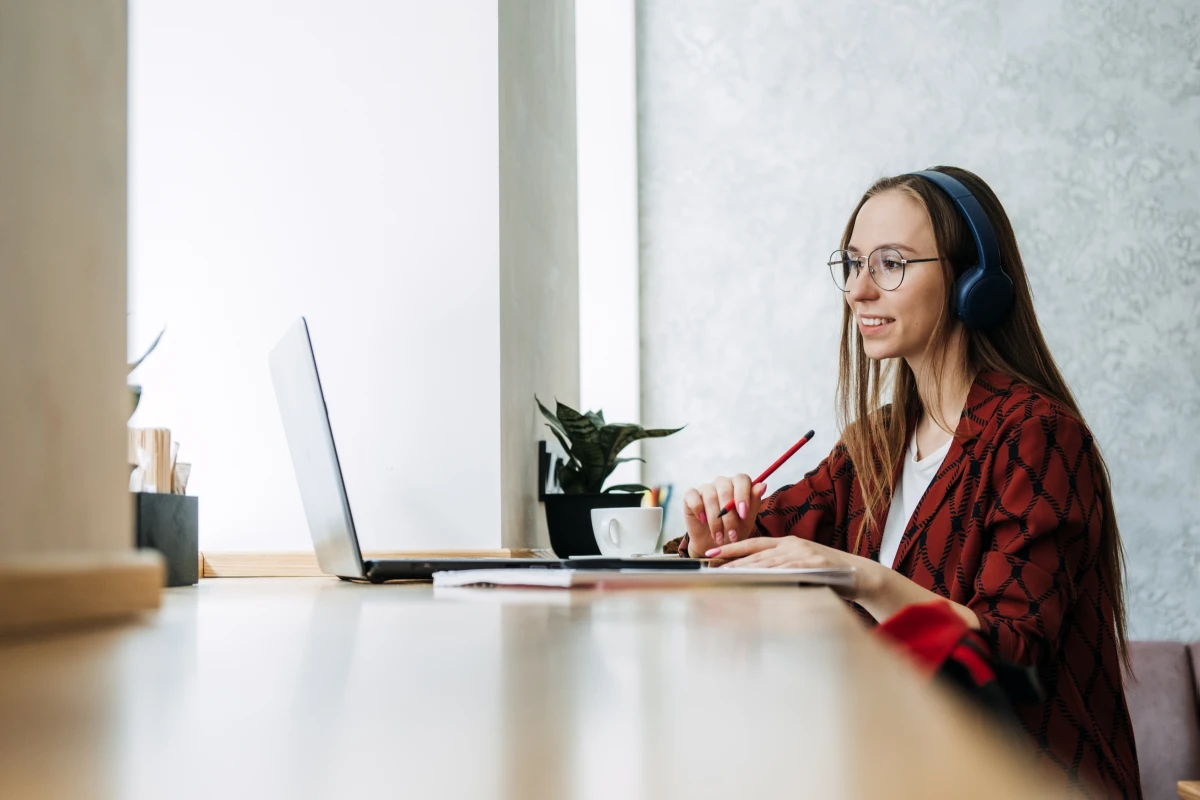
(1162, 699)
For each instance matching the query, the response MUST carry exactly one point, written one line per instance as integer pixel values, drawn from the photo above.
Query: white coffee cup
(626, 531)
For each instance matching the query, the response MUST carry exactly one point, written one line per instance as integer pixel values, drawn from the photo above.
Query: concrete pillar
(539, 246)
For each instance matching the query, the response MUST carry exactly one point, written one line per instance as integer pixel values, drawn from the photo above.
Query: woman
(1007, 513)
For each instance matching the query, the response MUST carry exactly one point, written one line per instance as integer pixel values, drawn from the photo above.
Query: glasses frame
(862, 262)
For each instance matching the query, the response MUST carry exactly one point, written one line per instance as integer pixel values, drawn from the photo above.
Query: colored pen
(778, 463)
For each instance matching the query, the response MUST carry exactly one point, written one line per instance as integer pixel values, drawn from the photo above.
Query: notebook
(644, 578)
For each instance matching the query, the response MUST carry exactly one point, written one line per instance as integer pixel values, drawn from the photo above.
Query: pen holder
(170, 524)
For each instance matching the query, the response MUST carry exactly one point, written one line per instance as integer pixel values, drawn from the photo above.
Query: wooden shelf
(48, 591)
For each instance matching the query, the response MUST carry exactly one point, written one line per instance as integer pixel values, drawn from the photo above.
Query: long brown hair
(1015, 347)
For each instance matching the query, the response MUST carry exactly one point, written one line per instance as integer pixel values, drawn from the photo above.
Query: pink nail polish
(742, 510)
(703, 518)
(713, 553)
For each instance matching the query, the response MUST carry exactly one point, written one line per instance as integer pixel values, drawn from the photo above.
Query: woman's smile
(872, 325)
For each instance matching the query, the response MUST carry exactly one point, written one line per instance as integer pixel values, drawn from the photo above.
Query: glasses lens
(840, 264)
(887, 268)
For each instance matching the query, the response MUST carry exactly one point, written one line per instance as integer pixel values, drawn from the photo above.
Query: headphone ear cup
(982, 298)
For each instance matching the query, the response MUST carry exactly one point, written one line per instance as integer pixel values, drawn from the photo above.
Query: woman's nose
(860, 286)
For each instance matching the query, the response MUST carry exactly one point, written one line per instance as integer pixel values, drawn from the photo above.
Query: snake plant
(592, 447)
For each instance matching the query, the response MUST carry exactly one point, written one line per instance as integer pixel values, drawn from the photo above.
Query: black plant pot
(170, 524)
(569, 519)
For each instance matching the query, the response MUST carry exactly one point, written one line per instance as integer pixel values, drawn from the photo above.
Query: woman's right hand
(702, 507)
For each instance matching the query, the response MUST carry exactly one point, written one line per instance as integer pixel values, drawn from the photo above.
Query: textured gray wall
(761, 123)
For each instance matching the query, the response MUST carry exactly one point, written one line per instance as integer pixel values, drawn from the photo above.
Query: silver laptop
(322, 490)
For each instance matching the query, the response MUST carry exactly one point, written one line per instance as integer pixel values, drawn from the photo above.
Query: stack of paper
(641, 578)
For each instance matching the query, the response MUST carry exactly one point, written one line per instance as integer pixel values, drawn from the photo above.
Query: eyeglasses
(885, 265)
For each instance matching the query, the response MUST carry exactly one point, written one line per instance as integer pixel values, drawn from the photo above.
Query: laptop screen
(314, 457)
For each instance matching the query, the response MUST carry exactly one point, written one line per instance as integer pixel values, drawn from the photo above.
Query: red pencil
(778, 463)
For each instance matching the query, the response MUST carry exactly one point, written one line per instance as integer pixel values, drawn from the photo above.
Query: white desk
(295, 687)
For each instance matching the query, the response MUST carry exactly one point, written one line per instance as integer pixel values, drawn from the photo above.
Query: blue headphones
(983, 293)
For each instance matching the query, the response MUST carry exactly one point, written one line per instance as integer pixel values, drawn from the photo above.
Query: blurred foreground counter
(307, 687)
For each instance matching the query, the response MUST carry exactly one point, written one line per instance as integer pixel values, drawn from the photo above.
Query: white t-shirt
(914, 482)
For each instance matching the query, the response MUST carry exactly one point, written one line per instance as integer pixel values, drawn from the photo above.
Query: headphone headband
(983, 293)
(973, 213)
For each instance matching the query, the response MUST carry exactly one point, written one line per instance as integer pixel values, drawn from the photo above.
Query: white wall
(340, 161)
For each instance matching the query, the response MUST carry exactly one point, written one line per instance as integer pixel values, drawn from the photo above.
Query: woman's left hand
(795, 553)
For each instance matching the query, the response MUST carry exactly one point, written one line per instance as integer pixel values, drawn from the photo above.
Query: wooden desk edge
(303, 564)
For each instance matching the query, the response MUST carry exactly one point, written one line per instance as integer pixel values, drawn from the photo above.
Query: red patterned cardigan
(1010, 528)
